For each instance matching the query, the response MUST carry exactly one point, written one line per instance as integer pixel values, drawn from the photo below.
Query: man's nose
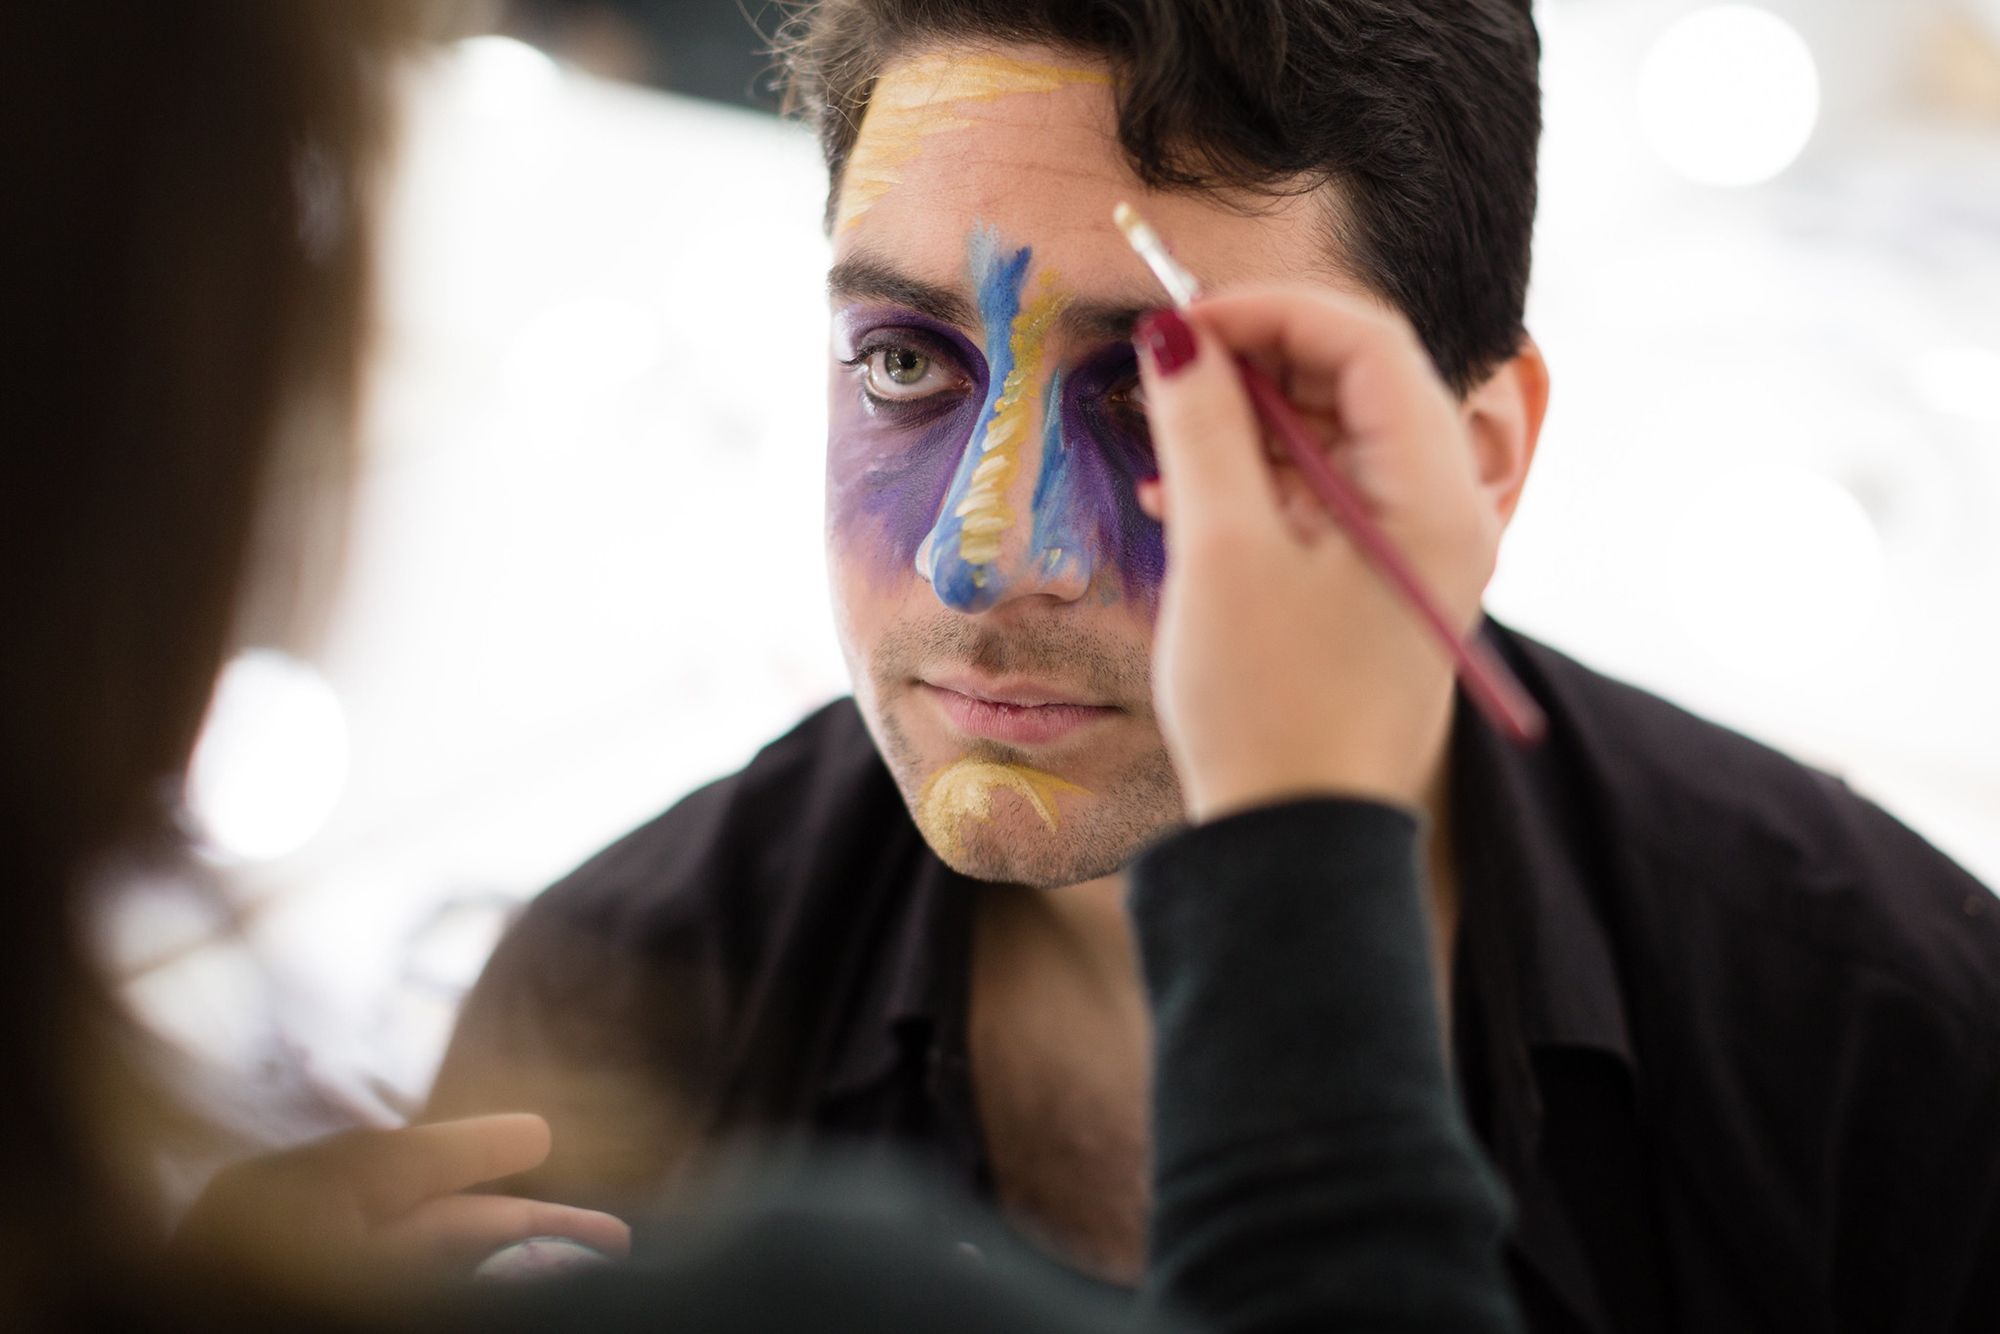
(1002, 532)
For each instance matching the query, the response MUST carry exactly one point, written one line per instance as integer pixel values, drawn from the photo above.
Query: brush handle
(1494, 690)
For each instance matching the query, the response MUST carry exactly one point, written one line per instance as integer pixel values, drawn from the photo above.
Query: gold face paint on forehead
(963, 793)
(984, 511)
(903, 111)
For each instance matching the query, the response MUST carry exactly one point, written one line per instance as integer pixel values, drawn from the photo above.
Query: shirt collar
(1528, 834)
(1531, 833)
(916, 995)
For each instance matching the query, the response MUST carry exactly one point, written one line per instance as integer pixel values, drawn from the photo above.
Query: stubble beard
(1097, 834)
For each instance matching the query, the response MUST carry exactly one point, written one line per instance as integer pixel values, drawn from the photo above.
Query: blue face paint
(1094, 454)
(1060, 547)
(927, 484)
(961, 556)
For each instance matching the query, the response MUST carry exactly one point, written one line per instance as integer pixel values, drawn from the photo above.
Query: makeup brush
(1493, 689)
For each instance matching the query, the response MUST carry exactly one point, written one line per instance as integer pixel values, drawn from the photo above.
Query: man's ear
(1504, 418)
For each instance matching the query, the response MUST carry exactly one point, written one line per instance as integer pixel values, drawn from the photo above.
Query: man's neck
(1093, 914)
(1060, 1063)
(1061, 1056)
(1081, 930)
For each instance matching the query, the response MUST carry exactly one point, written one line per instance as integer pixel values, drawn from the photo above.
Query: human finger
(1205, 433)
(393, 1171)
(1151, 499)
(1334, 353)
(455, 1229)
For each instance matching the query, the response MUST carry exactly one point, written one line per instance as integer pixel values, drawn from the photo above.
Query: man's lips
(1020, 713)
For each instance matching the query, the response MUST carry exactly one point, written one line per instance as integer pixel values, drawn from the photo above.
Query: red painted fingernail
(1166, 338)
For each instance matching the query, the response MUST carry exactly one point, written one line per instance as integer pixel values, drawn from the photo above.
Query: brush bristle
(1129, 222)
(1180, 284)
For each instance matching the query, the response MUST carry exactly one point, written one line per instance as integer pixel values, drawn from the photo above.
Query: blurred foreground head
(185, 245)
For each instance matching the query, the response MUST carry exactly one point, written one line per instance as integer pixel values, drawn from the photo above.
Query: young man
(1728, 1031)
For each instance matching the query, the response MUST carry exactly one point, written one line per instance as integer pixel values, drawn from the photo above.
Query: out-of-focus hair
(185, 246)
(1423, 115)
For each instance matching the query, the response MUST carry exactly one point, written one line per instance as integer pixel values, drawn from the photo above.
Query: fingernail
(1166, 339)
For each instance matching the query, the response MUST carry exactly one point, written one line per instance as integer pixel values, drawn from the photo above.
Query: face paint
(1094, 454)
(960, 557)
(963, 794)
(926, 483)
(889, 465)
(903, 112)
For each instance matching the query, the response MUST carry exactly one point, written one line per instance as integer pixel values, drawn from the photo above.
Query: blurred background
(584, 569)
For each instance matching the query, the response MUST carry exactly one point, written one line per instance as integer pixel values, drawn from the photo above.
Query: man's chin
(1014, 857)
(1008, 821)
(1039, 816)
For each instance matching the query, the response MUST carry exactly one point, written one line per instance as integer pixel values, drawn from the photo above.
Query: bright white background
(585, 571)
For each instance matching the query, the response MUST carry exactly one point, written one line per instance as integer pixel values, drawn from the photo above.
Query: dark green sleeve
(1312, 1167)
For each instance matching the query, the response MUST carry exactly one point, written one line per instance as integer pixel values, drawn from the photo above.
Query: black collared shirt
(1731, 1033)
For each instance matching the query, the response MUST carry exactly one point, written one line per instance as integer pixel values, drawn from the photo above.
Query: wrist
(1394, 765)
(1207, 804)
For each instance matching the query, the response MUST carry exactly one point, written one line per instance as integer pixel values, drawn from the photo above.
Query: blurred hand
(375, 1206)
(1284, 665)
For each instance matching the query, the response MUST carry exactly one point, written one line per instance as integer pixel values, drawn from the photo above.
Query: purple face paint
(903, 477)
(1094, 453)
(889, 465)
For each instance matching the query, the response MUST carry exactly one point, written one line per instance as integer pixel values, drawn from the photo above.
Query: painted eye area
(1128, 400)
(1105, 403)
(1117, 400)
(894, 372)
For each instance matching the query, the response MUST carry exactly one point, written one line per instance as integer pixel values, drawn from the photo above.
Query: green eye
(898, 369)
(905, 366)
(904, 374)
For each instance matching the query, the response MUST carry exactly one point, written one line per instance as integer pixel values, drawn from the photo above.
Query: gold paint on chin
(902, 113)
(963, 793)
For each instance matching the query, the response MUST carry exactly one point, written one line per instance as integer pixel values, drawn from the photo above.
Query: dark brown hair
(184, 245)
(1424, 115)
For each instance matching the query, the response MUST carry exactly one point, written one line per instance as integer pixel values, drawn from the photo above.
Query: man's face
(994, 581)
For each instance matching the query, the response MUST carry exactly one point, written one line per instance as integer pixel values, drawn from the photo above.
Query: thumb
(1205, 433)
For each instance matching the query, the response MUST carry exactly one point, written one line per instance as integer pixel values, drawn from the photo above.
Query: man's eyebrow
(1103, 321)
(861, 278)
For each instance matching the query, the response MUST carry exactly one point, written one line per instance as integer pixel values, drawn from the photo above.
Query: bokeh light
(272, 759)
(502, 78)
(1781, 568)
(1729, 95)
(1960, 382)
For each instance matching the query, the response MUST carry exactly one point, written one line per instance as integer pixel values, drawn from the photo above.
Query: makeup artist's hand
(1284, 665)
(375, 1206)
